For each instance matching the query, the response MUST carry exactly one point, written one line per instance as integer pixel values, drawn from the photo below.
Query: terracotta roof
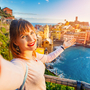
(7, 8)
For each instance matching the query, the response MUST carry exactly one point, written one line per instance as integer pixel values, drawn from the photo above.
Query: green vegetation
(4, 43)
(49, 73)
(53, 86)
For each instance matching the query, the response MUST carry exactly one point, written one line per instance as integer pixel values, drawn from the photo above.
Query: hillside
(4, 14)
(4, 41)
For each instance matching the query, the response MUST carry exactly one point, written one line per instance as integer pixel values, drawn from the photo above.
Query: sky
(49, 11)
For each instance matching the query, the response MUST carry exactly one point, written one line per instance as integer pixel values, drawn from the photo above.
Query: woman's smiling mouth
(31, 44)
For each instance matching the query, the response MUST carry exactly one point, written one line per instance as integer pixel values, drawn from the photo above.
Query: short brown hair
(18, 27)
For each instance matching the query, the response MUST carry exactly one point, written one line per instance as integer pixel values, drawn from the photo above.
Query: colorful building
(40, 50)
(48, 43)
(56, 33)
(43, 39)
(39, 41)
(46, 31)
(68, 36)
(7, 10)
(81, 38)
(88, 37)
(78, 22)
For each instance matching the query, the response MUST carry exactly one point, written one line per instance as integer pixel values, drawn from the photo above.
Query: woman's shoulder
(18, 61)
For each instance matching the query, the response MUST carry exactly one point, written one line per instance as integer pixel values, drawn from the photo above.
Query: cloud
(47, 0)
(42, 20)
(22, 2)
(25, 13)
(39, 19)
(39, 3)
(11, 1)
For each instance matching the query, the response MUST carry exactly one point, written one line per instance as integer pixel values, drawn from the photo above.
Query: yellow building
(46, 31)
(77, 30)
(40, 33)
(39, 41)
(48, 43)
(40, 50)
(57, 27)
(53, 34)
(67, 23)
(56, 34)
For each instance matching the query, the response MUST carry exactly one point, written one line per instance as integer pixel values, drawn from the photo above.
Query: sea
(43, 24)
(73, 63)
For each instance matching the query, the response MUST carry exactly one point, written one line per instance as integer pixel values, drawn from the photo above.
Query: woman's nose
(30, 38)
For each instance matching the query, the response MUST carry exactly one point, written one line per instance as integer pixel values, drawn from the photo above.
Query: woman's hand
(69, 43)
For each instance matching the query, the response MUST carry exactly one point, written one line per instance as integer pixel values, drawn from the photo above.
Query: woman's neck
(27, 54)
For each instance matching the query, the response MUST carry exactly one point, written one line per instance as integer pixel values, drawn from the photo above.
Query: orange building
(68, 36)
(88, 37)
(81, 38)
(78, 22)
(48, 44)
(7, 10)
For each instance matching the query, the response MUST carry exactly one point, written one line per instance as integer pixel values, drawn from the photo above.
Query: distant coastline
(43, 24)
(87, 46)
(58, 43)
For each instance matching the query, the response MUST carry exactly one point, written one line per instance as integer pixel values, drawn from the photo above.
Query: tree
(0, 8)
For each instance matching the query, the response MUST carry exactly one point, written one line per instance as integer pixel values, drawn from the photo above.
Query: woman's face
(27, 41)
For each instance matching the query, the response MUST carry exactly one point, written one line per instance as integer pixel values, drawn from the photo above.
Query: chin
(32, 48)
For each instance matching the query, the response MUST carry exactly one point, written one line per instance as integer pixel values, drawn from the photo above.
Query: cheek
(35, 38)
(22, 42)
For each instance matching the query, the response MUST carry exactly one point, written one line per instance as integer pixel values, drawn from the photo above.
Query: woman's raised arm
(51, 56)
(11, 74)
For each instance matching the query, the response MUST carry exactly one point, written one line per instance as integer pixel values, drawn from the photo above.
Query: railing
(68, 82)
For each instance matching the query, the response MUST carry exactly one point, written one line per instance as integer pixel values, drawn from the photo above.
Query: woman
(22, 45)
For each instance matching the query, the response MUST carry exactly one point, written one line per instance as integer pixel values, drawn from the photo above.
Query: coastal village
(49, 36)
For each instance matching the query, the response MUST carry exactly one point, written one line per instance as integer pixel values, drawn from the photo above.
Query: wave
(56, 71)
(87, 57)
(76, 59)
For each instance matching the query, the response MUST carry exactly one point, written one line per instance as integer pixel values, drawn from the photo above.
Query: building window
(50, 44)
(46, 42)
(42, 43)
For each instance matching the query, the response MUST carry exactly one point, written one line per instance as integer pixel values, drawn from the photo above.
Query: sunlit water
(43, 24)
(74, 63)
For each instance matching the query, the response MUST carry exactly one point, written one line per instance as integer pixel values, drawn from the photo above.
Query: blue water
(74, 63)
(43, 24)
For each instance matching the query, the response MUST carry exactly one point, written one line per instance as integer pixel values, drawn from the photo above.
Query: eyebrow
(21, 35)
(25, 34)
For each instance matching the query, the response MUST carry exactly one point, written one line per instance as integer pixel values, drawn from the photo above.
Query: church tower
(46, 32)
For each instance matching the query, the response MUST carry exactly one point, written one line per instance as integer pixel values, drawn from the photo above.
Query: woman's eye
(24, 36)
(32, 33)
